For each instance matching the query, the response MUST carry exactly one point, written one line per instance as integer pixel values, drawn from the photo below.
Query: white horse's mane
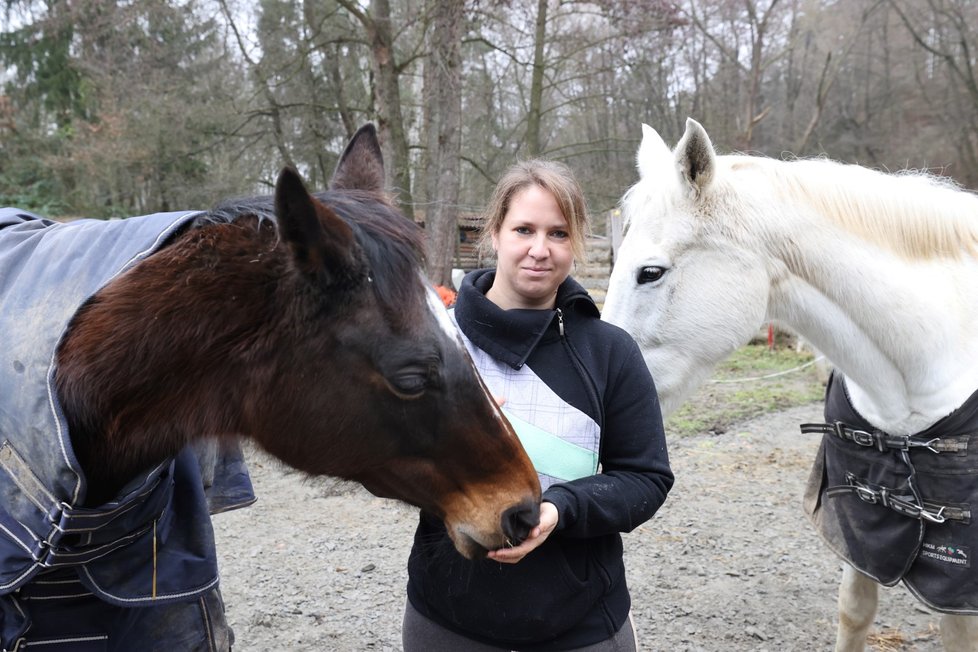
(914, 214)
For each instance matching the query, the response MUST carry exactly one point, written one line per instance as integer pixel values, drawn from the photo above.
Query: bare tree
(536, 82)
(273, 109)
(113, 107)
(819, 43)
(944, 29)
(378, 26)
(443, 131)
(724, 29)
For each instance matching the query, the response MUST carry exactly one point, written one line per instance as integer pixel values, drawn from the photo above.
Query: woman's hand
(539, 534)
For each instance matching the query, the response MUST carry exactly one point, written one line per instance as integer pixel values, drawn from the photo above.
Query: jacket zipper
(583, 373)
(596, 402)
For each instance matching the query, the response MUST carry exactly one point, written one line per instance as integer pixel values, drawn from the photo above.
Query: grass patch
(719, 403)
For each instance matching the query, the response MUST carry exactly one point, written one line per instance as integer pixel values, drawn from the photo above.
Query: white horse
(878, 271)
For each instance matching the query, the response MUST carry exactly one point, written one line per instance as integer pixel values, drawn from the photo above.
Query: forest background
(124, 107)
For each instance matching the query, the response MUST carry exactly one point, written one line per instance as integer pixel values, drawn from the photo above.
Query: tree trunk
(536, 85)
(443, 127)
(389, 117)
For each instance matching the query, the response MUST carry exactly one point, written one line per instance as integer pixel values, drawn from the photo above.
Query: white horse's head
(685, 284)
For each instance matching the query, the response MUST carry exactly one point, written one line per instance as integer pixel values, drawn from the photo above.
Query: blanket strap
(883, 441)
(902, 503)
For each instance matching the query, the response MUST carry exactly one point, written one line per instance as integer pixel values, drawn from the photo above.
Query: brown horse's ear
(322, 243)
(362, 165)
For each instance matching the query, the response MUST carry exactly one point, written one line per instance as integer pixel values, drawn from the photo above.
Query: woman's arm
(635, 474)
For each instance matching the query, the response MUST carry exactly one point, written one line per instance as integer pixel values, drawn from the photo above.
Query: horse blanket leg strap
(903, 504)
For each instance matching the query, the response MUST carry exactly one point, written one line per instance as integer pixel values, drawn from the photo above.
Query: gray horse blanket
(900, 508)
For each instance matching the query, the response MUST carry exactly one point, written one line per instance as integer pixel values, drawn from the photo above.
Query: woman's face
(533, 250)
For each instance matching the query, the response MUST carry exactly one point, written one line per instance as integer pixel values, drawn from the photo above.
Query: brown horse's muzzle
(494, 514)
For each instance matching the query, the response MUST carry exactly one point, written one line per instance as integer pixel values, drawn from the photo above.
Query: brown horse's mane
(393, 245)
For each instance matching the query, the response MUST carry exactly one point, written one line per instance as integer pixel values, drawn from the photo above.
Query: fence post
(615, 227)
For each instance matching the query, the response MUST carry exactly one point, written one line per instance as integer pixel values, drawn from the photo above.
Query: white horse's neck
(905, 333)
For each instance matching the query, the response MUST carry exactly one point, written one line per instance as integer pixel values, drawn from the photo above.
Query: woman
(583, 402)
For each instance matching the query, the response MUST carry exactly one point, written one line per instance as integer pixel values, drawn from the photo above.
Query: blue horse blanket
(48, 270)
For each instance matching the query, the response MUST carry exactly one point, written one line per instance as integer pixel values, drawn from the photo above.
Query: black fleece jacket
(571, 591)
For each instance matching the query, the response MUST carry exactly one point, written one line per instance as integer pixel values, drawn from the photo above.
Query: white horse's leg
(959, 633)
(858, 597)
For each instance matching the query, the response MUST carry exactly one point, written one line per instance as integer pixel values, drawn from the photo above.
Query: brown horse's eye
(411, 381)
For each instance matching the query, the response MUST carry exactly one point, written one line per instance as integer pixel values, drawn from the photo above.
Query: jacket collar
(511, 335)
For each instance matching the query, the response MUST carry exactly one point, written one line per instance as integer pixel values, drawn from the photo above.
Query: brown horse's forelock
(393, 245)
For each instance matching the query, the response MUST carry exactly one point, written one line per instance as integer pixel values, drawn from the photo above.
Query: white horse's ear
(695, 156)
(651, 152)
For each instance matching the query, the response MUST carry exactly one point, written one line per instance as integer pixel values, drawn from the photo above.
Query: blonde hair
(557, 179)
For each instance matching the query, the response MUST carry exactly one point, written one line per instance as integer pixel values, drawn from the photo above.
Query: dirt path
(729, 564)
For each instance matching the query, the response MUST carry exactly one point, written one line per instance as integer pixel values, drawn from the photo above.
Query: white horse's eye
(650, 274)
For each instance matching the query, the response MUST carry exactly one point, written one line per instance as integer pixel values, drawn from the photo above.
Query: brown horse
(301, 322)
(313, 333)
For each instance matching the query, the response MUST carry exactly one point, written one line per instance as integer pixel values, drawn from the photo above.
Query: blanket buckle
(858, 437)
(929, 445)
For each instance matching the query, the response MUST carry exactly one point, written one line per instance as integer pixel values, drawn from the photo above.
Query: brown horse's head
(308, 326)
(374, 383)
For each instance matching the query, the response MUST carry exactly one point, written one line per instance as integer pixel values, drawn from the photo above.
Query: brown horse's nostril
(517, 521)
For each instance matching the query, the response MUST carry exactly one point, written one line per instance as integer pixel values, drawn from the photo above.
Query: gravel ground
(729, 563)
